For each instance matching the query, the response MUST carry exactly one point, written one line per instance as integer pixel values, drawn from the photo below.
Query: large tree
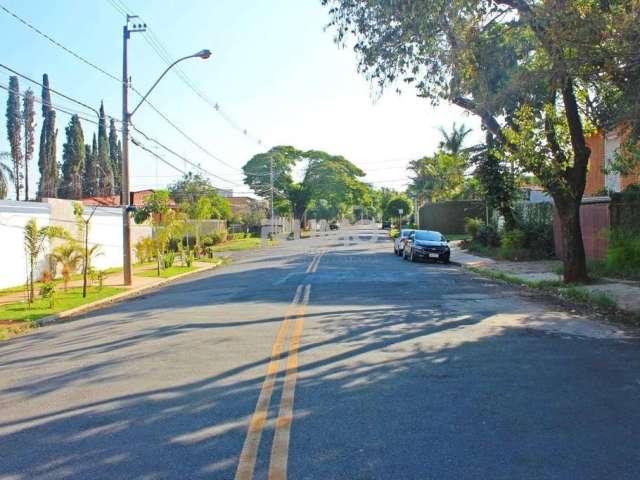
(115, 156)
(90, 174)
(107, 186)
(73, 158)
(14, 132)
(47, 158)
(29, 123)
(527, 68)
(328, 177)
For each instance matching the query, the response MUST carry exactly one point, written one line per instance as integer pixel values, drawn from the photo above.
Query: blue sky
(274, 70)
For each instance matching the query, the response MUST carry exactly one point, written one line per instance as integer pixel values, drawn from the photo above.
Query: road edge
(119, 297)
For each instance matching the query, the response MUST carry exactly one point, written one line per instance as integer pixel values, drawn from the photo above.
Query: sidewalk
(625, 294)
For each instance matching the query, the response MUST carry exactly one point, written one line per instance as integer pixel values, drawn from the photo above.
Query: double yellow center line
(280, 448)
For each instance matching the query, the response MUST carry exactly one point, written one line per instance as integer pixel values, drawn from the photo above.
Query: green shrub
(472, 226)
(48, 290)
(189, 258)
(623, 255)
(168, 259)
(488, 236)
(513, 245)
(144, 249)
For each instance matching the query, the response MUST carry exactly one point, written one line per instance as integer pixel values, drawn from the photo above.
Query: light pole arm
(199, 54)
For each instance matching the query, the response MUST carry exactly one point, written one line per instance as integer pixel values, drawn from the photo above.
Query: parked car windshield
(430, 237)
(406, 233)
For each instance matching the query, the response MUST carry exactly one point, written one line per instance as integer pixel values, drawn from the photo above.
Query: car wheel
(446, 259)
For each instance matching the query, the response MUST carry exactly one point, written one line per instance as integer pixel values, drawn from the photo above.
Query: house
(604, 147)
(136, 198)
(240, 205)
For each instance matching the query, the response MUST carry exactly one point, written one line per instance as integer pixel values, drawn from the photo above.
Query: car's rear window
(406, 233)
(430, 236)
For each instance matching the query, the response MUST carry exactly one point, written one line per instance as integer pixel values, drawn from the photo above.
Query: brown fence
(595, 221)
(449, 217)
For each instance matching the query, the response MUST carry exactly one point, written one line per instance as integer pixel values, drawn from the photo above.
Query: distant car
(386, 225)
(334, 226)
(427, 244)
(400, 240)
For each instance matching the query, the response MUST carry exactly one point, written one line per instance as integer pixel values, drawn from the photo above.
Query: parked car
(334, 226)
(427, 244)
(386, 225)
(400, 240)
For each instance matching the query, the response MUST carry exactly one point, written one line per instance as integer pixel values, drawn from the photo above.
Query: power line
(161, 50)
(113, 77)
(58, 44)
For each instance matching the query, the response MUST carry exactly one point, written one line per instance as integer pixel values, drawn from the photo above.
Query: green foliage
(14, 132)
(189, 259)
(47, 157)
(400, 202)
(29, 123)
(488, 236)
(48, 291)
(107, 183)
(155, 205)
(513, 245)
(145, 249)
(168, 259)
(623, 254)
(115, 156)
(472, 226)
(69, 256)
(394, 233)
(73, 159)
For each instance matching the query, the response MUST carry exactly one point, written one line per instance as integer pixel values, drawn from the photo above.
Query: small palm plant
(69, 256)
(34, 238)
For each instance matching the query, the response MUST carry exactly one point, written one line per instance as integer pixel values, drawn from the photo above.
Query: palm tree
(34, 239)
(6, 176)
(452, 141)
(69, 256)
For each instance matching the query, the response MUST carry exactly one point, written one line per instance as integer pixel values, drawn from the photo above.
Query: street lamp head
(204, 54)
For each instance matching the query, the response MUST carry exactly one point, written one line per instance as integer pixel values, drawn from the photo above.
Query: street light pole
(271, 182)
(126, 121)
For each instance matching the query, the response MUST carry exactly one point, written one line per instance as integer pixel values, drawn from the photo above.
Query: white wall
(105, 229)
(13, 218)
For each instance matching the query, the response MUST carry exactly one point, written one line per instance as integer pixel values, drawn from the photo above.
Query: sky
(275, 72)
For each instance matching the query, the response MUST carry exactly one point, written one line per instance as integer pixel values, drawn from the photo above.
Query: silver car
(400, 241)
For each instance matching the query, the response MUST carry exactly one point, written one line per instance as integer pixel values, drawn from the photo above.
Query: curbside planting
(105, 302)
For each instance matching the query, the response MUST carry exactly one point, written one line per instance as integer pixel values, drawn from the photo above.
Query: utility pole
(126, 121)
(124, 194)
(271, 182)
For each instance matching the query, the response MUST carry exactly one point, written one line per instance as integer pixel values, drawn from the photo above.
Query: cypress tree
(73, 158)
(91, 183)
(115, 155)
(47, 162)
(14, 132)
(104, 162)
(29, 122)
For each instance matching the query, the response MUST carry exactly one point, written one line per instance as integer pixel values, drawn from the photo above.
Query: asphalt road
(325, 358)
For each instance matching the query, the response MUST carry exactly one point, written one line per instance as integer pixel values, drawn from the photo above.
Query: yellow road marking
(247, 462)
(280, 447)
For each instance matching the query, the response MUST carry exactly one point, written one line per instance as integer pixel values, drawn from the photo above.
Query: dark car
(334, 226)
(427, 244)
(386, 225)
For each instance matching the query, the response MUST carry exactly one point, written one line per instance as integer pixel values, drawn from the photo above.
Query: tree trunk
(573, 254)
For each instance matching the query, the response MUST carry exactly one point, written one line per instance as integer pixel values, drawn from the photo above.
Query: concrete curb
(120, 297)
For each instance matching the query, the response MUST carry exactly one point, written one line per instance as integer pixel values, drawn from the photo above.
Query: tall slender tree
(29, 122)
(115, 155)
(47, 161)
(104, 161)
(14, 132)
(87, 186)
(73, 157)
